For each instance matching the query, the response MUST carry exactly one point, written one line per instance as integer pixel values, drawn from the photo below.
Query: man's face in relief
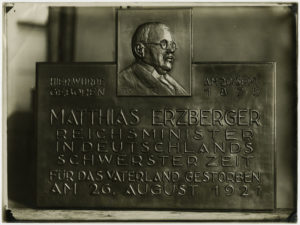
(160, 49)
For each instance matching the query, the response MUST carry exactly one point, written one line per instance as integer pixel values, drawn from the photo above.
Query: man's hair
(141, 34)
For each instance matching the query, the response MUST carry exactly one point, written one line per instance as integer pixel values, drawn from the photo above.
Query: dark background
(35, 32)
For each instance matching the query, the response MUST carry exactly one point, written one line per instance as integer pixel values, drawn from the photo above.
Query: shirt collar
(156, 75)
(152, 70)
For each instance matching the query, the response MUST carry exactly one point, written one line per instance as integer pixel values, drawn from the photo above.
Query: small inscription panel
(211, 150)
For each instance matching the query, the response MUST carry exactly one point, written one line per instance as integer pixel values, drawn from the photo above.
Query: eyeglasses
(164, 44)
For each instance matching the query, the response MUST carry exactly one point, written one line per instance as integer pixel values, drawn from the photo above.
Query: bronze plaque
(211, 148)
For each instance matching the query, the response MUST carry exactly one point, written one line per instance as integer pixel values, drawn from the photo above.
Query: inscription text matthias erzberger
(211, 150)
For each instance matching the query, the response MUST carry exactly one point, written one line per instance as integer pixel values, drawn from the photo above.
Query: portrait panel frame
(179, 22)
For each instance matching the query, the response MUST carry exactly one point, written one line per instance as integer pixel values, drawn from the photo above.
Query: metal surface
(211, 150)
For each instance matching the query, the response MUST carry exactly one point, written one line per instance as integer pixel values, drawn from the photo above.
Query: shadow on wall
(21, 153)
(21, 157)
(21, 149)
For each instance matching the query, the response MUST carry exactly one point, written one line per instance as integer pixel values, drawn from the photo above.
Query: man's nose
(170, 49)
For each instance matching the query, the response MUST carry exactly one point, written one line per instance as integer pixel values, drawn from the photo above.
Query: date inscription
(212, 150)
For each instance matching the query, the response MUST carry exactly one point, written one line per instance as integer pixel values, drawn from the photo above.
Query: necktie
(166, 83)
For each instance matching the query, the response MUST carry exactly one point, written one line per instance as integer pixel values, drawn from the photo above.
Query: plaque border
(170, 209)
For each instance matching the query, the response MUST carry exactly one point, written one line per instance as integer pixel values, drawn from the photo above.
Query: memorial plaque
(211, 148)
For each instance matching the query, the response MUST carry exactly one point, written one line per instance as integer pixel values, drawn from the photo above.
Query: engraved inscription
(76, 86)
(192, 147)
(230, 84)
(212, 151)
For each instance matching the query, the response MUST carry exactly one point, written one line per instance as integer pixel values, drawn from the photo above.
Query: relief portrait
(152, 69)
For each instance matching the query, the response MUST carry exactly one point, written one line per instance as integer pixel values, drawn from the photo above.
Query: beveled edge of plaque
(175, 209)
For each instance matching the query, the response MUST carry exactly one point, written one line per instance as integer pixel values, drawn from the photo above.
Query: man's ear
(139, 50)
